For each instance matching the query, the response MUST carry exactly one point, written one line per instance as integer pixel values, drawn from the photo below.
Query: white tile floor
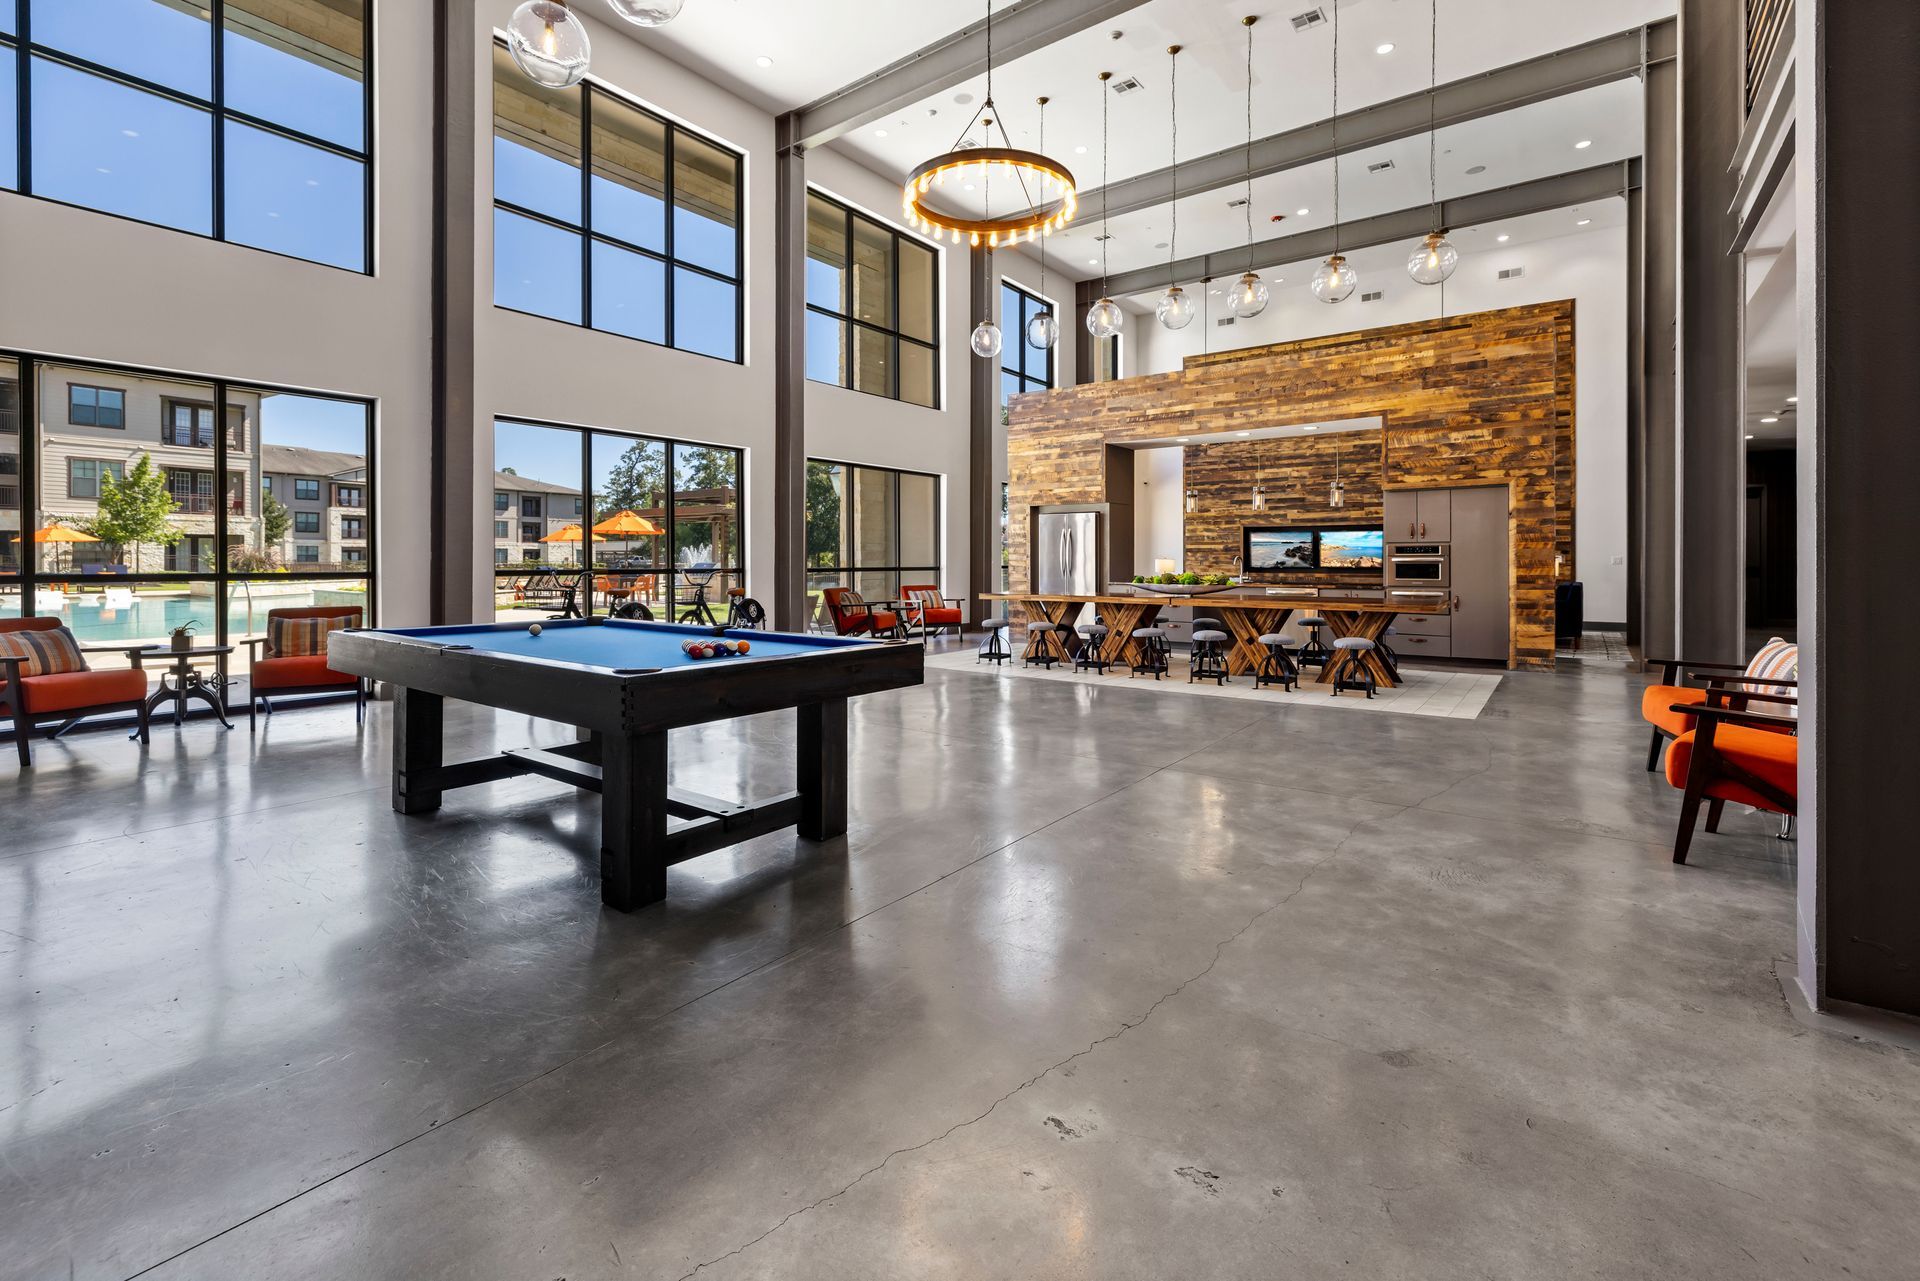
(1457, 695)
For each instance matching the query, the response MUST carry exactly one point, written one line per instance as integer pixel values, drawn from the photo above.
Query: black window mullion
(668, 191)
(219, 139)
(29, 402)
(23, 103)
(221, 570)
(847, 300)
(587, 511)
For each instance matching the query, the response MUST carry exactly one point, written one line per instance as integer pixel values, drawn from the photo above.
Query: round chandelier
(1038, 192)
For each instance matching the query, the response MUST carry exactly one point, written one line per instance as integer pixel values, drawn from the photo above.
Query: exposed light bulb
(647, 13)
(1193, 500)
(1259, 496)
(1337, 495)
(1433, 259)
(986, 340)
(549, 44)
(1105, 319)
(1176, 309)
(1043, 331)
(1250, 297)
(1336, 279)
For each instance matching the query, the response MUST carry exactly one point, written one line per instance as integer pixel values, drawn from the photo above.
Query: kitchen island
(1246, 613)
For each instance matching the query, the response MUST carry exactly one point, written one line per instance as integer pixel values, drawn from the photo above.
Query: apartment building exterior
(325, 494)
(525, 511)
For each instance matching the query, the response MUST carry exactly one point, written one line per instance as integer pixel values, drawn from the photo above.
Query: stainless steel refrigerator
(1067, 553)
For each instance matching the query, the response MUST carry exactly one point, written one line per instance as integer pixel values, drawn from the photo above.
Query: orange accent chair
(67, 696)
(1668, 706)
(928, 609)
(852, 616)
(299, 674)
(1734, 754)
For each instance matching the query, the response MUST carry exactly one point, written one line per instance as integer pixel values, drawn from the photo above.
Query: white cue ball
(533, 629)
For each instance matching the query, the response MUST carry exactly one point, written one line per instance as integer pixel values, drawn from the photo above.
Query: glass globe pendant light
(549, 43)
(1434, 259)
(986, 339)
(1043, 331)
(1336, 279)
(648, 13)
(1176, 309)
(1104, 317)
(1249, 297)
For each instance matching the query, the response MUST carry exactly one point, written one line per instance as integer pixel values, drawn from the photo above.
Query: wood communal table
(1248, 616)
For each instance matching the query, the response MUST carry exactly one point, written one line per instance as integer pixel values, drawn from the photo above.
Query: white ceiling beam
(1552, 75)
(1018, 30)
(1579, 187)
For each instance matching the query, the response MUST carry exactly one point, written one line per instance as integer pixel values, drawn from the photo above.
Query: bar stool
(1093, 654)
(1388, 655)
(1351, 652)
(1209, 658)
(1044, 644)
(1151, 651)
(1277, 667)
(994, 650)
(1315, 652)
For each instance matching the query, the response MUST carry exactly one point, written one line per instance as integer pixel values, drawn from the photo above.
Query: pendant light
(1043, 331)
(1176, 309)
(1336, 279)
(1251, 294)
(985, 339)
(549, 43)
(1433, 259)
(1337, 492)
(1259, 493)
(647, 13)
(1104, 318)
(1193, 499)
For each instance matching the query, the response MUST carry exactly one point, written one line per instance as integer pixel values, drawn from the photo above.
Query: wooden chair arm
(1735, 716)
(1742, 680)
(12, 666)
(1721, 696)
(1688, 662)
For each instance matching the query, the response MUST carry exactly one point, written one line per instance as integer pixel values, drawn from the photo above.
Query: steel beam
(789, 379)
(452, 527)
(1018, 30)
(983, 414)
(1535, 80)
(1537, 196)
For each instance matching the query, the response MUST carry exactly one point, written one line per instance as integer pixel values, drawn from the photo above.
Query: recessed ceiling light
(1749, 437)
(879, 133)
(763, 62)
(1246, 433)
(1769, 420)
(1309, 429)
(1583, 144)
(1793, 400)
(969, 187)
(1093, 262)
(1384, 48)
(1476, 169)
(1080, 150)
(1583, 222)
(1301, 213)
(1503, 237)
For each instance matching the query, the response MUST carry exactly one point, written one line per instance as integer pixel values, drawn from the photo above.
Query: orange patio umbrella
(628, 524)
(61, 534)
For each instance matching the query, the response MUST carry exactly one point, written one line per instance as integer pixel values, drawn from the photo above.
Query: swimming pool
(153, 617)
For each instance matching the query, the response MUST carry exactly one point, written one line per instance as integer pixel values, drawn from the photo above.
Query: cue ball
(533, 629)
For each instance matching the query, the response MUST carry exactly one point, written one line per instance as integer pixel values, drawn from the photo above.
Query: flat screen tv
(1269, 550)
(1355, 550)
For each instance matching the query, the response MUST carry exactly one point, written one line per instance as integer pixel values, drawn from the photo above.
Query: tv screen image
(1274, 549)
(1360, 549)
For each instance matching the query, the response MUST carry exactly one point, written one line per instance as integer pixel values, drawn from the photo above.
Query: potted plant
(183, 636)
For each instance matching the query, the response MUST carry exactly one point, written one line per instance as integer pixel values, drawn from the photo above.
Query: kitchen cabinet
(1482, 605)
(1418, 514)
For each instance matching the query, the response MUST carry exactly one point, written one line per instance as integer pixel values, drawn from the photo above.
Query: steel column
(789, 379)
(453, 530)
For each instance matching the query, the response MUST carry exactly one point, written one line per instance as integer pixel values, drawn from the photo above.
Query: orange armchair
(276, 675)
(927, 608)
(852, 616)
(1734, 754)
(1669, 706)
(67, 696)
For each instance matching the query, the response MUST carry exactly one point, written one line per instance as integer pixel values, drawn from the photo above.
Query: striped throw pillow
(1777, 660)
(48, 653)
(301, 637)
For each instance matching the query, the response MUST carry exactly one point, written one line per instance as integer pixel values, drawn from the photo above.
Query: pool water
(153, 617)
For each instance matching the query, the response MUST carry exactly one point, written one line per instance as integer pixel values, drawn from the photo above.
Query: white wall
(1588, 267)
(89, 286)
(1159, 510)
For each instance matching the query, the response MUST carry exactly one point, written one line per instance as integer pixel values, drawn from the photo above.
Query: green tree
(135, 510)
(638, 480)
(823, 515)
(275, 520)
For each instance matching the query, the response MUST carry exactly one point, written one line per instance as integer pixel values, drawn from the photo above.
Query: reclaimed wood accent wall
(1465, 400)
(1297, 471)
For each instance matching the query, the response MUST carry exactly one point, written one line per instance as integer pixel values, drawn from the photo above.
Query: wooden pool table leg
(417, 717)
(633, 820)
(821, 761)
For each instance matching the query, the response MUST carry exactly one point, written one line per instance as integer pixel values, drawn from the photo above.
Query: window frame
(1015, 342)
(894, 474)
(121, 392)
(24, 50)
(300, 486)
(168, 404)
(894, 332)
(589, 87)
(311, 526)
(353, 529)
(100, 466)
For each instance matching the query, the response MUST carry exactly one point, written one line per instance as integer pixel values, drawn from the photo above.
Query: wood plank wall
(1476, 399)
(1297, 472)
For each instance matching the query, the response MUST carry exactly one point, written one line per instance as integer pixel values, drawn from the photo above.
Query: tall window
(873, 306)
(660, 527)
(1023, 366)
(643, 240)
(870, 528)
(1106, 358)
(255, 133)
(96, 406)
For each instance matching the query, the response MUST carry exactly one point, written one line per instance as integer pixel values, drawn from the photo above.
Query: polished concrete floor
(1102, 984)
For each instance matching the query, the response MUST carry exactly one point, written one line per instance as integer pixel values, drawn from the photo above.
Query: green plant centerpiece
(183, 636)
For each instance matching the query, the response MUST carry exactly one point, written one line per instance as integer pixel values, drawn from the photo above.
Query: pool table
(623, 685)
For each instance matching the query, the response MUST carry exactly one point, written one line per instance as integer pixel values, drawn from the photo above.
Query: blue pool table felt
(619, 643)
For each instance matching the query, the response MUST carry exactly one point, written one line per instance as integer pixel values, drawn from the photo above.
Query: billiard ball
(533, 629)
(741, 647)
